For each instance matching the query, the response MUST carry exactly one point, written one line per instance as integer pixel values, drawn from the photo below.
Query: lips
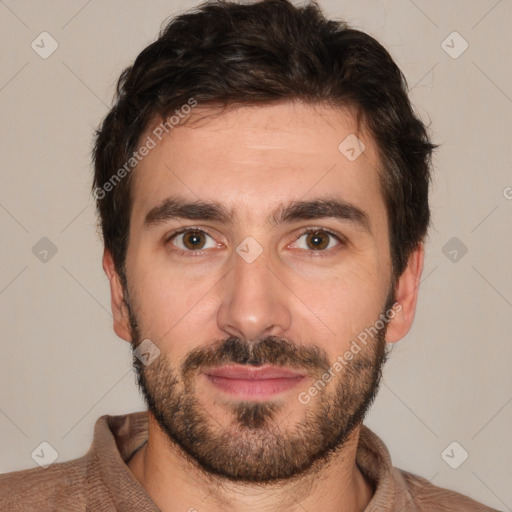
(252, 383)
(246, 373)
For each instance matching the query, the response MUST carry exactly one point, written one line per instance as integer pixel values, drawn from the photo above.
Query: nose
(254, 303)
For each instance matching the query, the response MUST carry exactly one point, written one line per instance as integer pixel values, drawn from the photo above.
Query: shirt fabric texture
(101, 480)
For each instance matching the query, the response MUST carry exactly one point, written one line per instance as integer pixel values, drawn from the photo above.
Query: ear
(118, 304)
(406, 294)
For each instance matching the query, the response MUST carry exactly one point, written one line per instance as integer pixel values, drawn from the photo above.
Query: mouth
(253, 383)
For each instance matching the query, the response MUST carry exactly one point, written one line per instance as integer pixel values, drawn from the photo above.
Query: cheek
(170, 307)
(349, 302)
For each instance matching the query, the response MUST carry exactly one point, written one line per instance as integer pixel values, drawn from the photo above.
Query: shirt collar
(116, 438)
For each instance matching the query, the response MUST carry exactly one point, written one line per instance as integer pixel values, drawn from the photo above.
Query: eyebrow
(319, 208)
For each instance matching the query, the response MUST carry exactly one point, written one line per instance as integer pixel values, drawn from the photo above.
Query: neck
(175, 482)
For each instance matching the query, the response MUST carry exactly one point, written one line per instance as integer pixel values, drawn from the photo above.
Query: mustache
(271, 350)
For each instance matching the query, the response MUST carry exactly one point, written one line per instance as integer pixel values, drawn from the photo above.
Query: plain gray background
(448, 381)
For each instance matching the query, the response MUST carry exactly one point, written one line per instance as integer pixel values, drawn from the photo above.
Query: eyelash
(312, 253)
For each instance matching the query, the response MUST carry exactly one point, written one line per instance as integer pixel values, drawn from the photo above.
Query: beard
(251, 445)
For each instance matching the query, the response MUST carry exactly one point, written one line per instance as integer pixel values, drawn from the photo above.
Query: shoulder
(57, 487)
(397, 489)
(427, 497)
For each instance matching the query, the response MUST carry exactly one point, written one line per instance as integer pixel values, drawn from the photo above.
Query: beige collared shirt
(101, 480)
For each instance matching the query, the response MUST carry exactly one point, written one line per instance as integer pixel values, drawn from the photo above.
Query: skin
(252, 159)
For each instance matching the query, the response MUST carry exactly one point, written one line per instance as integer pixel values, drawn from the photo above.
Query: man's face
(210, 297)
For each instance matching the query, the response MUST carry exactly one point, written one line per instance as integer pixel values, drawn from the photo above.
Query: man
(262, 185)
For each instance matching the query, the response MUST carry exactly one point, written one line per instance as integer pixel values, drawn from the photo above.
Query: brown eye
(191, 240)
(316, 240)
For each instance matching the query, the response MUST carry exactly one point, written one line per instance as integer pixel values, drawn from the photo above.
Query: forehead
(256, 159)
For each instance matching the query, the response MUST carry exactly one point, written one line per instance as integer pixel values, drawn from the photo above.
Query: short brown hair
(270, 51)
